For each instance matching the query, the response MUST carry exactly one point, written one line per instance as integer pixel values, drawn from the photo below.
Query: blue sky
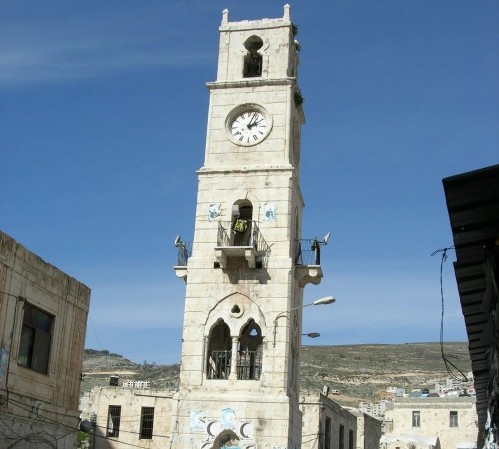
(103, 110)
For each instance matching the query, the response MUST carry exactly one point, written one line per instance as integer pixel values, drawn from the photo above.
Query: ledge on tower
(240, 239)
(307, 260)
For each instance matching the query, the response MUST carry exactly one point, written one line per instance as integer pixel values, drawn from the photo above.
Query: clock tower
(245, 277)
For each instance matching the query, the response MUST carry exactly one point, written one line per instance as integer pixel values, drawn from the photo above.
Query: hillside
(359, 372)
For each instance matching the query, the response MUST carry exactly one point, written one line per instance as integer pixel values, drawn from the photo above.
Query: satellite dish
(177, 240)
(326, 238)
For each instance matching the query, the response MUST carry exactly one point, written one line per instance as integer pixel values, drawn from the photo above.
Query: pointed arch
(226, 439)
(234, 308)
(219, 351)
(253, 61)
(250, 352)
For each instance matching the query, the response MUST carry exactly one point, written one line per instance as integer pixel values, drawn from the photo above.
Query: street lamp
(317, 302)
(311, 335)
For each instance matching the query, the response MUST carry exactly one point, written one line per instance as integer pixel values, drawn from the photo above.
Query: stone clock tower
(245, 276)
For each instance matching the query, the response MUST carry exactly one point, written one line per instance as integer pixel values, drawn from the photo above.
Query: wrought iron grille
(219, 364)
(241, 233)
(146, 423)
(307, 252)
(249, 365)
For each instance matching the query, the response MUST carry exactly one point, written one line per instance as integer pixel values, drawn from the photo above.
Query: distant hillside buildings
(445, 418)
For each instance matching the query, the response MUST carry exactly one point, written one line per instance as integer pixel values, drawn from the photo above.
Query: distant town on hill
(354, 372)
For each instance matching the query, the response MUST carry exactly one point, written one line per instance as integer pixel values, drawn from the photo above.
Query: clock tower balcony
(307, 259)
(240, 239)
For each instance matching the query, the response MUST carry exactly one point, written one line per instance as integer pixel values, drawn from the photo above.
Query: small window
(113, 421)
(146, 423)
(416, 419)
(327, 433)
(341, 437)
(36, 339)
(350, 439)
(453, 419)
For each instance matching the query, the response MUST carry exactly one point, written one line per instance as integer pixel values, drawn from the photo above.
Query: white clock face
(248, 125)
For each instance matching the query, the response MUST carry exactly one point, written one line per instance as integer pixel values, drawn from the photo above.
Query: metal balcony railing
(241, 232)
(249, 365)
(219, 364)
(307, 252)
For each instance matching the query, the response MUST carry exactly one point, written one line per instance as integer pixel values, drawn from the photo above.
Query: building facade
(142, 417)
(244, 280)
(43, 317)
(450, 420)
(128, 417)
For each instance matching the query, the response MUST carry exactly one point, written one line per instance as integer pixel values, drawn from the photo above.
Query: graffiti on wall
(228, 431)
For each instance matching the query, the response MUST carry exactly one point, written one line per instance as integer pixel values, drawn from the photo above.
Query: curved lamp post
(311, 335)
(317, 302)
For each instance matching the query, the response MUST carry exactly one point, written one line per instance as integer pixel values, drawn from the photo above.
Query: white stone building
(128, 417)
(450, 421)
(375, 409)
(43, 318)
(327, 425)
(124, 416)
(245, 277)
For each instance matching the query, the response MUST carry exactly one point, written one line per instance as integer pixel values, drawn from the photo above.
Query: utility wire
(22, 406)
(448, 364)
(95, 332)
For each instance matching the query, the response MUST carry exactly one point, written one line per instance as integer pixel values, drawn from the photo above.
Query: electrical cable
(95, 332)
(9, 294)
(445, 358)
(51, 421)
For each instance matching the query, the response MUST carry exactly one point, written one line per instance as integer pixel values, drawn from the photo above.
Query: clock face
(248, 125)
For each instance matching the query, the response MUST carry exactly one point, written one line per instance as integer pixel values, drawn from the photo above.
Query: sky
(103, 113)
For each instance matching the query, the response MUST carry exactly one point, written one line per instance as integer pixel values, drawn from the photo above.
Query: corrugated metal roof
(473, 206)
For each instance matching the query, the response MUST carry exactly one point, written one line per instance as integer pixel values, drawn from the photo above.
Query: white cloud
(52, 50)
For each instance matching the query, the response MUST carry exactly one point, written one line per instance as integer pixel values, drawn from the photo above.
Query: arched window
(226, 439)
(219, 352)
(249, 354)
(242, 223)
(253, 59)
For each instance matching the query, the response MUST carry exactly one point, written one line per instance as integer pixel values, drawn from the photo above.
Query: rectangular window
(113, 421)
(327, 433)
(350, 439)
(453, 419)
(146, 423)
(341, 439)
(36, 339)
(416, 419)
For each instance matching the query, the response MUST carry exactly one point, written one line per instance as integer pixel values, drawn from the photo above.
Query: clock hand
(251, 124)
